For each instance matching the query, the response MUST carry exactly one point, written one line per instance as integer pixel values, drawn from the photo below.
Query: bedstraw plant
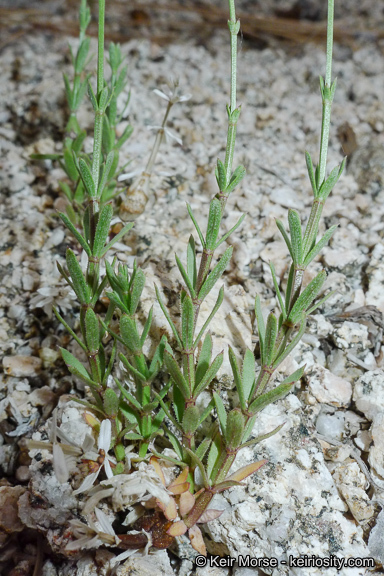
(158, 394)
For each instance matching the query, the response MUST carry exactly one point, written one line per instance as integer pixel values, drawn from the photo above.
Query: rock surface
(302, 502)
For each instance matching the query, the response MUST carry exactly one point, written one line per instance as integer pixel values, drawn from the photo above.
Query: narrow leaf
(147, 327)
(320, 245)
(277, 289)
(132, 370)
(295, 377)
(138, 283)
(129, 334)
(131, 399)
(114, 298)
(190, 420)
(237, 377)
(92, 331)
(259, 439)
(209, 375)
(87, 178)
(69, 329)
(234, 429)
(213, 227)
(187, 323)
(296, 237)
(176, 374)
(246, 471)
(186, 278)
(292, 344)
(236, 178)
(200, 466)
(319, 302)
(117, 238)
(326, 187)
(248, 373)
(76, 233)
(307, 297)
(220, 175)
(106, 172)
(202, 448)
(191, 262)
(221, 412)
(79, 284)
(270, 339)
(204, 358)
(235, 227)
(269, 397)
(172, 438)
(199, 232)
(217, 305)
(289, 287)
(215, 274)
(102, 230)
(111, 403)
(103, 99)
(260, 324)
(76, 367)
(311, 173)
(280, 226)
(214, 454)
(166, 314)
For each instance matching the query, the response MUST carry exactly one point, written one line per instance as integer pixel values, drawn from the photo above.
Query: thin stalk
(317, 207)
(327, 100)
(99, 115)
(158, 140)
(231, 135)
(100, 46)
(207, 256)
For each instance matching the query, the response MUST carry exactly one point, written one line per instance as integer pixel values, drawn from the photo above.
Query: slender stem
(329, 42)
(231, 135)
(317, 207)
(232, 16)
(100, 52)
(159, 138)
(327, 98)
(99, 114)
(231, 139)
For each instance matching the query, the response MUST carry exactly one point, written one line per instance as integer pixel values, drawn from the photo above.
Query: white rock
(351, 334)
(20, 366)
(156, 565)
(376, 539)
(368, 393)
(376, 452)
(331, 425)
(375, 273)
(294, 507)
(351, 483)
(328, 388)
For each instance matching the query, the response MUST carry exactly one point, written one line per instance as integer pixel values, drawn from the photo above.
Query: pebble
(328, 388)
(22, 366)
(352, 483)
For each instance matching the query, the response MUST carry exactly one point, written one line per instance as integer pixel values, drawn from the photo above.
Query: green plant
(138, 407)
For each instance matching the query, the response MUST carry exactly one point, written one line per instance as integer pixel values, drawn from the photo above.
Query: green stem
(231, 135)
(99, 115)
(327, 99)
(328, 72)
(100, 52)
